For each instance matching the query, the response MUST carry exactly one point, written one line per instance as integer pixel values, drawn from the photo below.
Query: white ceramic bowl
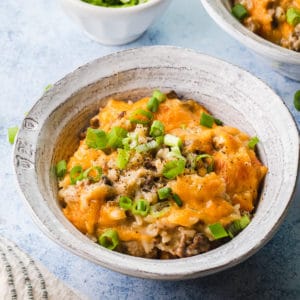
(114, 26)
(285, 61)
(50, 133)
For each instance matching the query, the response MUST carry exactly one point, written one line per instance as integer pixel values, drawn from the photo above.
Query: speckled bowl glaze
(114, 26)
(50, 131)
(286, 62)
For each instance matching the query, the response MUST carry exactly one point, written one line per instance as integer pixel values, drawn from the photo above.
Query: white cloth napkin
(23, 278)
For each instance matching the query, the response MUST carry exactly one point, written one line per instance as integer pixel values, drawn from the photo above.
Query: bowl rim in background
(233, 27)
(143, 271)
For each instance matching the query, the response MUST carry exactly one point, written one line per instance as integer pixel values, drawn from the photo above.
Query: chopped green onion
(131, 141)
(61, 169)
(217, 231)
(210, 167)
(48, 87)
(141, 116)
(146, 147)
(125, 202)
(297, 100)
(164, 193)
(76, 174)
(12, 132)
(174, 168)
(238, 225)
(207, 120)
(109, 239)
(177, 200)
(175, 152)
(116, 136)
(253, 141)
(152, 104)
(159, 96)
(239, 11)
(96, 138)
(159, 140)
(141, 207)
(172, 140)
(159, 209)
(97, 177)
(293, 16)
(157, 129)
(122, 158)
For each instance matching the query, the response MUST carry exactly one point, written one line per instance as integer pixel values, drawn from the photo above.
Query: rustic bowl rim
(161, 267)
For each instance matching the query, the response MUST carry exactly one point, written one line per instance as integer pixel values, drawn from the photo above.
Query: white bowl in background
(114, 26)
(50, 133)
(285, 61)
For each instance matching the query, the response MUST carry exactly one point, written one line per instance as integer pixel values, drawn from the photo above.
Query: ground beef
(135, 248)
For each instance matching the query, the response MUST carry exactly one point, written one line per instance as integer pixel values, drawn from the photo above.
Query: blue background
(38, 46)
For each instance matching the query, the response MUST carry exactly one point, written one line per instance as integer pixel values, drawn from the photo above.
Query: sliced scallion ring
(293, 16)
(164, 193)
(218, 231)
(141, 116)
(153, 104)
(12, 132)
(122, 158)
(253, 142)
(76, 174)
(161, 97)
(174, 168)
(177, 200)
(141, 207)
(297, 100)
(172, 140)
(239, 11)
(96, 138)
(157, 129)
(88, 174)
(61, 168)
(109, 239)
(125, 203)
(115, 137)
(210, 166)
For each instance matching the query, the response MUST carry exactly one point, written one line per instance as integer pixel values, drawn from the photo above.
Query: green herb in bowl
(115, 3)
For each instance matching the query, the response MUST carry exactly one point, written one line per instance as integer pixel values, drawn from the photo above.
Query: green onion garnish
(125, 202)
(96, 138)
(293, 16)
(207, 120)
(152, 104)
(172, 140)
(210, 166)
(12, 132)
(164, 193)
(217, 231)
(175, 152)
(159, 140)
(146, 147)
(159, 209)
(76, 174)
(253, 141)
(87, 174)
(239, 11)
(116, 136)
(174, 168)
(177, 200)
(61, 169)
(159, 96)
(141, 116)
(48, 87)
(238, 225)
(122, 158)
(141, 207)
(157, 129)
(297, 100)
(109, 239)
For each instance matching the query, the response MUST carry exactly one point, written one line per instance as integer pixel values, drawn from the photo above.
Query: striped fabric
(23, 278)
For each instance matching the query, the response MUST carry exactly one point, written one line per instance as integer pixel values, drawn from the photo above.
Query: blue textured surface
(38, 46)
